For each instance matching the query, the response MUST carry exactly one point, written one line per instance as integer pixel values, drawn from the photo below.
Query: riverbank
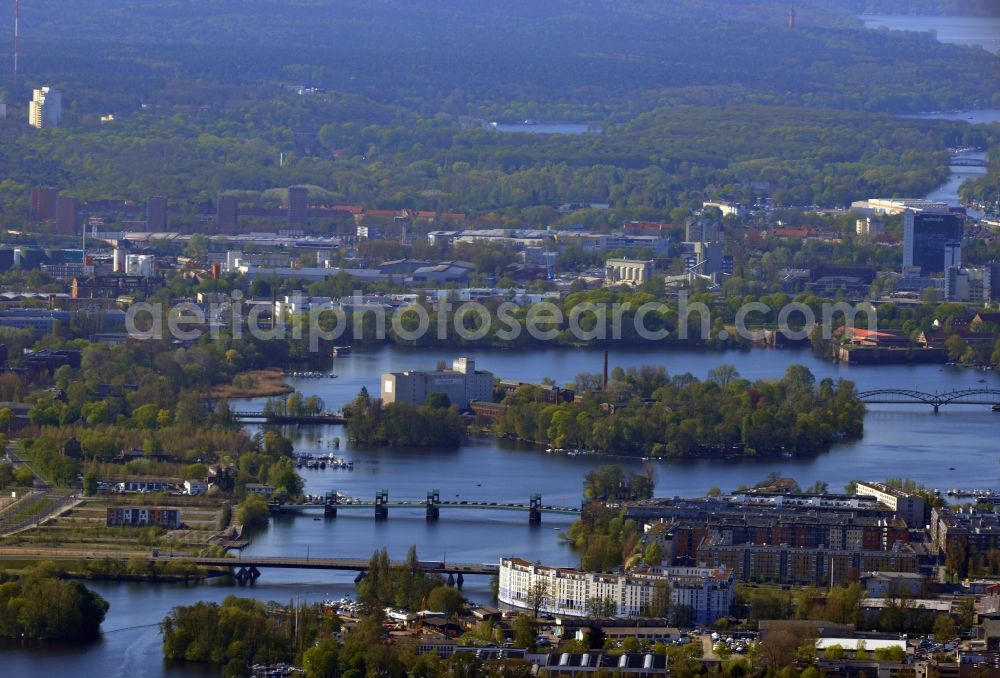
(134, 566)
(252, 384)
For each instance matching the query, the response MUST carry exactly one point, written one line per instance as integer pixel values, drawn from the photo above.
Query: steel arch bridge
(898, 396)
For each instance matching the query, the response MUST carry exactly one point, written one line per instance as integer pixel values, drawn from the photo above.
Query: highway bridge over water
(247, 569)
(968, 396)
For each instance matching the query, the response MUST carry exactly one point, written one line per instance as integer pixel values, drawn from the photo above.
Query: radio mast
(17, 33)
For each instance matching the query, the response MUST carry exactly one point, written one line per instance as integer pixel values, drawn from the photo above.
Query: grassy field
(84, 528)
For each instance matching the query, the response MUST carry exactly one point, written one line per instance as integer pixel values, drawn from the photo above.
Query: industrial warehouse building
(462, 384)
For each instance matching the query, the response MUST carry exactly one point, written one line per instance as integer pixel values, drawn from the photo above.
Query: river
(898, 440)
(570, 128)
(948, 191)
(983, 31)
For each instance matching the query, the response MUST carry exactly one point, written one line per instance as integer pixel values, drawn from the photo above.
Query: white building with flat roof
(727, 208)
(899, 205)
(971, 285)
(706, 592)
(628, 271)
(462, 383)
(909, 507)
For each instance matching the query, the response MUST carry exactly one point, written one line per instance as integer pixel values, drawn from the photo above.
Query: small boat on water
(341, 350)
(996, 408)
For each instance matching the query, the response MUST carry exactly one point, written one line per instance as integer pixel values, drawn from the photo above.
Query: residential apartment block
(975, 530)
(707, 593)
(909, 507)
(141, 517)
(785, 564)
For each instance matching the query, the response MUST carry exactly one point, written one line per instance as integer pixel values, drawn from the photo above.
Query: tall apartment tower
(43, 203)
(298, 205)
(227, 213)
(67, 214)
(45, 109)
(156, 214)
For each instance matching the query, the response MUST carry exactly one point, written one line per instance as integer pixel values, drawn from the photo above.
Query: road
(40, 482)
(44, 503)
(707, 647)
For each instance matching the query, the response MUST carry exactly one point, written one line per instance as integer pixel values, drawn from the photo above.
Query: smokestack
(604, 383)
(119, 260)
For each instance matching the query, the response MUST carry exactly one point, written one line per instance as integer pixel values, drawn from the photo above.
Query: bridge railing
(968, 396)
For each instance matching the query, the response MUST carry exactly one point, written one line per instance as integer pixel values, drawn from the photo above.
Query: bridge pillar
(433, 511)
(381, 504)
(459, 580)
(330, 504)
(535, 510)
(254, 573)
(451, 579)
(361, 575)
(242, 576)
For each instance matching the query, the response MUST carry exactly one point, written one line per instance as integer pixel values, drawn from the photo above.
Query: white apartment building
(968, 285)
(706, 592)
(909, 507)
(45, 108)
(866, 227)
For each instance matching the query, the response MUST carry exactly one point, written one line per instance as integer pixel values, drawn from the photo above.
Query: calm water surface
(902, 440)
(958, 30)
(948, 191)
(545, 128)
(908, 440)
(978, 116)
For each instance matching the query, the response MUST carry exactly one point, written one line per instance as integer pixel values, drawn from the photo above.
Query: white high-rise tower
(45, 109)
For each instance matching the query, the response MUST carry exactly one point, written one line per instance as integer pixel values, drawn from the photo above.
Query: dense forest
(401, 424)
(241, 632)
(696, 99)
(40, 606)
(659, 160)
(652, 414)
